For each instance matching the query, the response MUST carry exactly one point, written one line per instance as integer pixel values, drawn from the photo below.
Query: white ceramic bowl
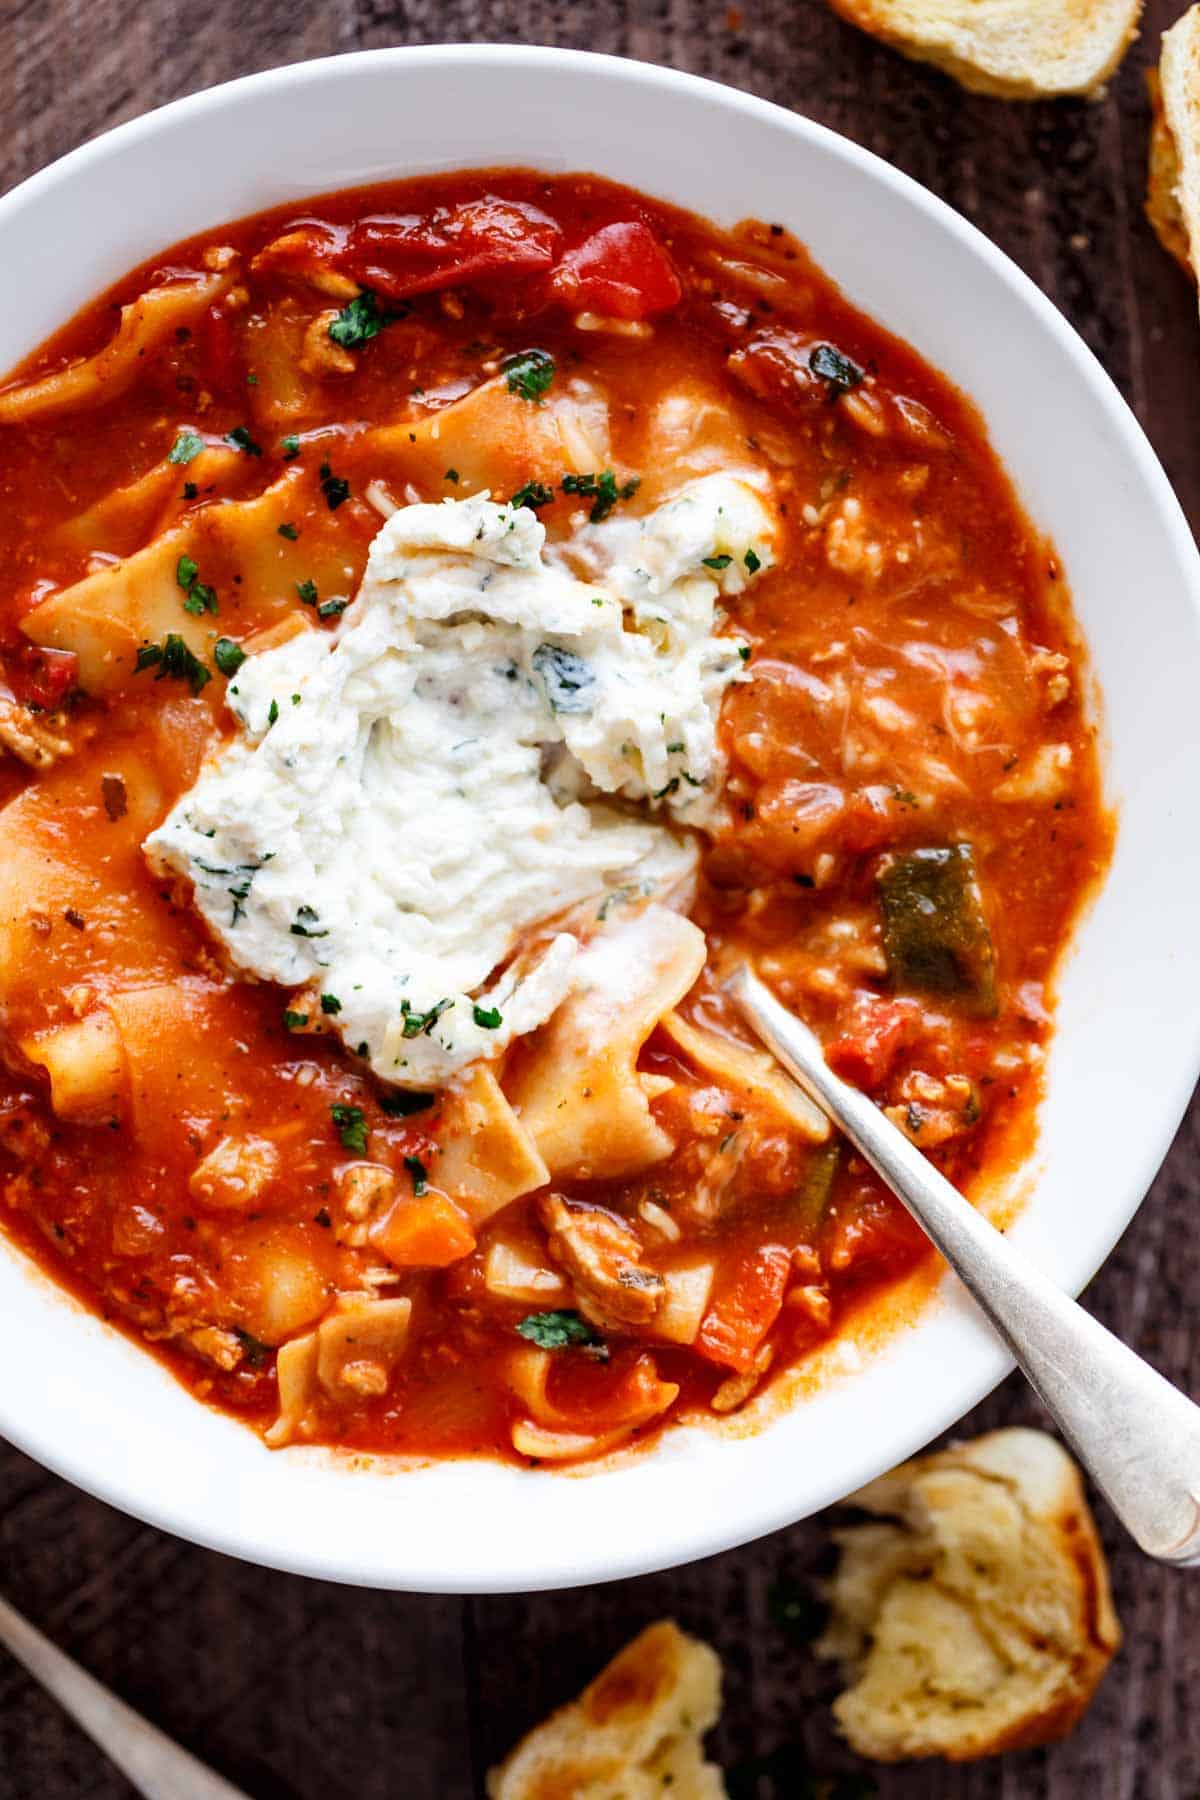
(87, 1403)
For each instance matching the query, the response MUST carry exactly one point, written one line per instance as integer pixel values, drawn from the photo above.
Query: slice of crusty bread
(1016, 49)
(973, 1614)
(1173, 189)
(633, 1734)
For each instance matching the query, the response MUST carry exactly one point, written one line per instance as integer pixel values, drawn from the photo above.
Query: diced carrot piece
(424, 1233)
(746, 1307)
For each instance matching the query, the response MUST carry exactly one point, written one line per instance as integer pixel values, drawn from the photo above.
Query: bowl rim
(121, 1485)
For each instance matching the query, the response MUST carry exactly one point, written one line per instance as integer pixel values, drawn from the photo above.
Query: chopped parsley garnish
(557, 1330)
(273, 712)
(198, 596)
(288, 530)
(419, 1173)
(716, 562)
(187, 445)
(330, 1003)
(451, 475)
(307, 591)
(255, 1353)
(190, 490)
(302, 924)
(360, 320)
(487, 1016)
(241, 439)
(350, 1123)
(602, 490)
(290, 447)
(401, 1104)
(172, 657)
(332, 609)
(744, 652)
(417, 1022)
(752, 562)
(334, 488)
(295, 1021)
(532, 494)
(568, 680)
(529, 373)
(228, 656)
(836, 370)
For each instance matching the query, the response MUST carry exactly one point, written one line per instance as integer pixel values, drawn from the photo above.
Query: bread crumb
(972, 1614)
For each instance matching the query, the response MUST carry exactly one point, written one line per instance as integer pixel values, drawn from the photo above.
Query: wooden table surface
(296, 1689)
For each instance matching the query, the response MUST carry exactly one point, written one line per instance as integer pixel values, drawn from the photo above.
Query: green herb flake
(288, 530)
(557, 1330)
(532, 494)
(603, 490)
(350, 1123)
(303, 923)
(417, 1022)
(744, 652)
(419, 1173)
(228, 656)
(330, 1004)
(335, 489)
(838, 372)
(307, 591)
(190, 490)
(529, 374)
(752, 562)
(487, 1016)
(716, 562)
(173, 658)
(360, 320)
(272, 712)
(332, 609)
(198, 596)
(295, 1021)
(569, 682)
(451, 475)
(188, 444)
(255, 1353)
(240, 438)
(401, 1104)
(289, 447)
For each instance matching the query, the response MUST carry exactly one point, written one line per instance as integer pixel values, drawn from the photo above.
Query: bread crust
(976, 1617)
(634, 1733)
(1010, 49)
(1173, 184)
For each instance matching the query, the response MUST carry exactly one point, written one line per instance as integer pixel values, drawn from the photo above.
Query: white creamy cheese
(413, 796)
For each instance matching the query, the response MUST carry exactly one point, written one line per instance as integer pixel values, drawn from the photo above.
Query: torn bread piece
(1009, 48)
(633, 1734)
(1173, 186)
(973, 1615)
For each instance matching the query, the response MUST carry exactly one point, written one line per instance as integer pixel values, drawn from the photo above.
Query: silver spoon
(1138, 1436)
(155, 1765)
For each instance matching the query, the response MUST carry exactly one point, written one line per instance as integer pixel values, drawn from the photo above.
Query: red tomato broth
(817, 796)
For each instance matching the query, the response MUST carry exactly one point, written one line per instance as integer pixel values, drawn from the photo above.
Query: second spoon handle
(1138, 1436)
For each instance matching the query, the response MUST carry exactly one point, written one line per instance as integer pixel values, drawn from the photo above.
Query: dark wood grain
(297, 1689)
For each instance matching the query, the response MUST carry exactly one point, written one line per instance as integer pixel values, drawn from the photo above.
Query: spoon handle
(153, 1763)
(1138, 1436)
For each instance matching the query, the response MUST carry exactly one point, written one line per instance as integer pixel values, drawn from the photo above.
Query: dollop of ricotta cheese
(414, 799)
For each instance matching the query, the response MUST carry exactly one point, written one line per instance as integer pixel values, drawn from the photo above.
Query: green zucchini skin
(935, 931)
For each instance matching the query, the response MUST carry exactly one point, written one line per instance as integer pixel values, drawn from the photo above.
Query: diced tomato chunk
(621, 271)
(864, 1054)
(40, 677)
(745, 1308)
(417, 253)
